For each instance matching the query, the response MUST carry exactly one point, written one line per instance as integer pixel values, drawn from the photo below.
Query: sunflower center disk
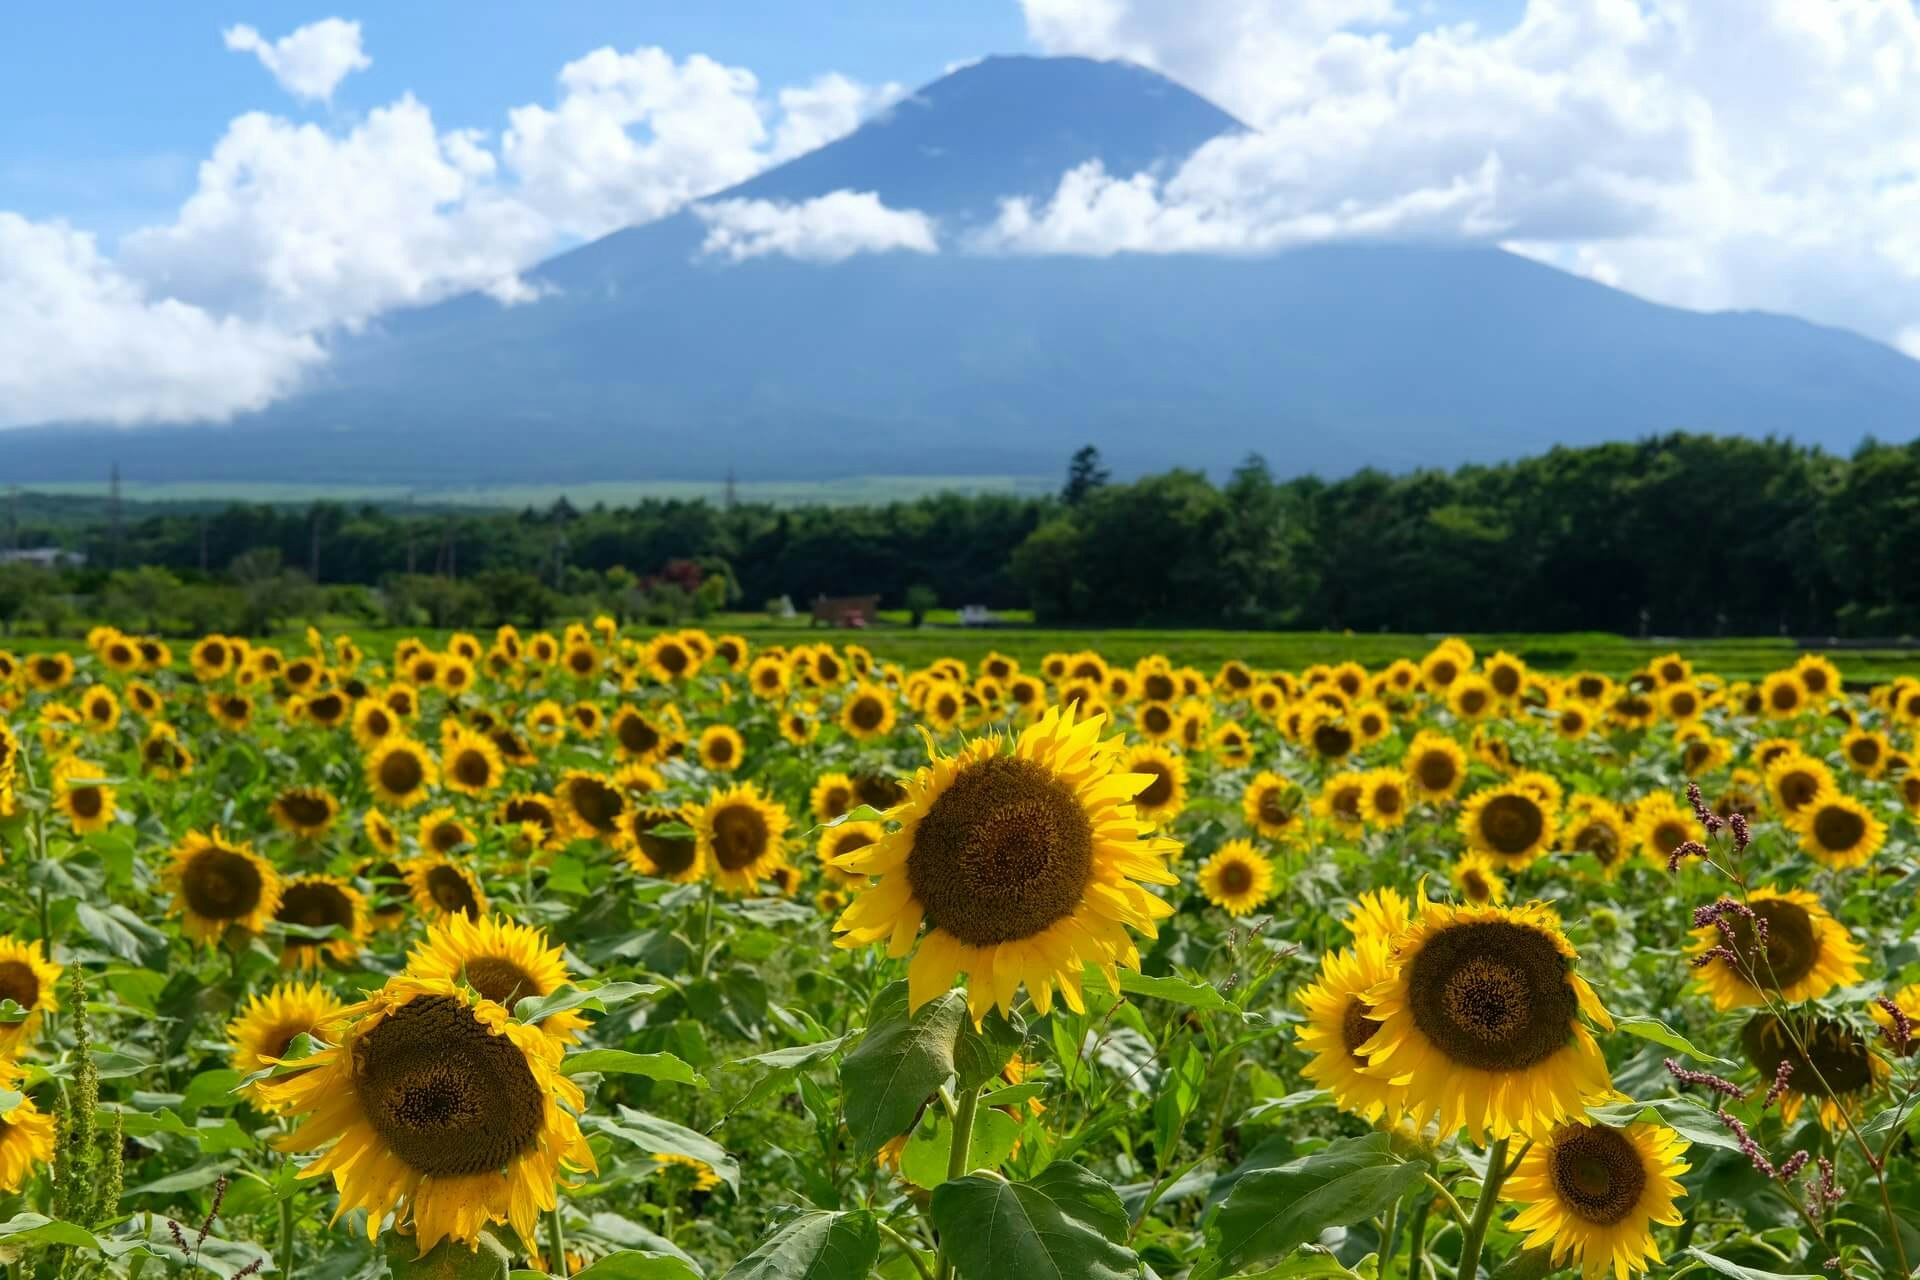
(221, 885)
(1597, 1173)
(1273, 809)
(1839, 829)
(314, 905)
(1236, 878)
(500, 979)
(1436, 771)
(868, 713)
(86, 801)
(671, 856)
(1791, 951)
(401, 774)
(18, 984)
(1356, 1027)
(1493, 996)
(739, 837)
(1599, 841)
(451, 890)
(305, 810)
(597, 803)
(472, 769)
(1841, 1057)
(1003, 853)
(1511, 824)
(447, 1097)
(1157, 792)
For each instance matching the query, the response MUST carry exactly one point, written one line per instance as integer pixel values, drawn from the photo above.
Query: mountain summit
(650, 359)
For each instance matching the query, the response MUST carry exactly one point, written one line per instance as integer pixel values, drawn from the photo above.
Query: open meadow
(761, 953)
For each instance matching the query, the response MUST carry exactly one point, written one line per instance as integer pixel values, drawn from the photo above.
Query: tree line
(1678, 534)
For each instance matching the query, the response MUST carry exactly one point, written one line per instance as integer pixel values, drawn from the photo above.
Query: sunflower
(769, 676)
(1839, 832)
(591, 803)
(1444, 665)
(441, 887)
(1512, 823)
(1783, 695)
(1477, 877)
(1024, 864)
(1271, 805)
(1379, 913)
(1327, 734)
(1339, 1019)
(1594, 1193)
(219, 884)
(673, 858)
(100, 709)
(636, 737)
(1470, 697)
(868, 713)
(1831, 1064)
(588, 718)
(1155, 721)
(669, 659)
(1681, 703)
(1795, 781)
(505, 962)
(1383, 797)
(438, 1107)
(1435, 766)
(80, 793)
(1807, 954)
(401, 771)
(525, 807)
(470, 763)
(266, 1025)
(1237, 878)
(441, 832)
(1660, 825)
(832, 796)
(837, 842)
(305, 811)
(1165, 795)
(1907, 1000)
(1818, 675)
(49, 672)
(26, 1134)
(31, 981)
(1339, 802)
(699, 1174)
(321, 902)
(1480, 1019)
(945, 703)
(721, 748)
(329, 710)
(380, 832)
(1865, 752)
(1703, 754)
(740, 835)
(1597, 827)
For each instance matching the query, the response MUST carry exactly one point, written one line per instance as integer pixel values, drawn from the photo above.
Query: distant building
(45, 557)
(845, 611)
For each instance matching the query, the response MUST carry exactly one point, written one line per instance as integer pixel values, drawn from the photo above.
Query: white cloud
(833, 106)
(84, 341)
(309, 62)
(828, 228)
(1708, 153)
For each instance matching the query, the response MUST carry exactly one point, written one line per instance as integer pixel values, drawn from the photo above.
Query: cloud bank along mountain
(1024, 255)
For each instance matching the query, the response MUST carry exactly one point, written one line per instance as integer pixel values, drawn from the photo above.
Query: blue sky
(112, 105)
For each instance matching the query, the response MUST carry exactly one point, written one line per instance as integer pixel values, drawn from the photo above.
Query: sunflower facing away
(1026, 866)
(1594, 1193)
(505, 962)
(266, 1024)
(1808, 952)
(26, 1135)
(1832, 1067)
(1339, 1019)
(438, 1107)
(1481, 1020)
(1237, 878)
(29, 980)
(218, 883)
(741, 837)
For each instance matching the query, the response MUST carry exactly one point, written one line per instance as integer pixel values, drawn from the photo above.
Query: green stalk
(556, 1243)
(286, 1238)
(957, 1157)
(1417, 1242)
(1483, 1210)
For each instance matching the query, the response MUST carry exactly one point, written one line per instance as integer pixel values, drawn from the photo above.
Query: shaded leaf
(1066, 1224)
(815, 1246)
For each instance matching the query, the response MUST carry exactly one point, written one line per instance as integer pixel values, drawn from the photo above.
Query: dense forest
(1680, 534)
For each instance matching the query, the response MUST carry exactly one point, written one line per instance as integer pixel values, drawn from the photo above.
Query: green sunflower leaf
(1661, 1034)
(619, 1062)
(1066, 1224)
(815, 1246)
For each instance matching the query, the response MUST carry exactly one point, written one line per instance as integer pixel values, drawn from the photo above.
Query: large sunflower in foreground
(438, 1107)
(1340, 1018)
(741, 836)
(1026, 866)
(1594, 1193)
(267, 1024)
(30, 981)
(1481, 1021)
(1808, 953)
(26, 1135)
(218, 883)
(505, 962)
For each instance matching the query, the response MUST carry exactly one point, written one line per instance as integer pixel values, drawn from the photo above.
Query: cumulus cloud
(832, 106)
(311, 61)
(828, 228)
(1711, 153)
(85, 341)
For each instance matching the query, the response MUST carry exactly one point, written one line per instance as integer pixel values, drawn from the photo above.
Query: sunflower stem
(905, 1246)
(1483, 1209)
(556, 1242)
(1388, 1226)
(958, 1156)
(1416, 1242)
(286, 1237)
(706, 931)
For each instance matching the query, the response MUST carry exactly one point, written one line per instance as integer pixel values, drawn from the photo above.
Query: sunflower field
(671, 957)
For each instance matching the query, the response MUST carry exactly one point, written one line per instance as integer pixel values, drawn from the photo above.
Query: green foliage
(1064, 1224)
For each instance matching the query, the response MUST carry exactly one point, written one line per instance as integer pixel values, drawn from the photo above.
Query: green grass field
(1735, 658)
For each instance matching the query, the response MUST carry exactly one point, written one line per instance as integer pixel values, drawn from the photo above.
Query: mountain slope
(652, 361)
